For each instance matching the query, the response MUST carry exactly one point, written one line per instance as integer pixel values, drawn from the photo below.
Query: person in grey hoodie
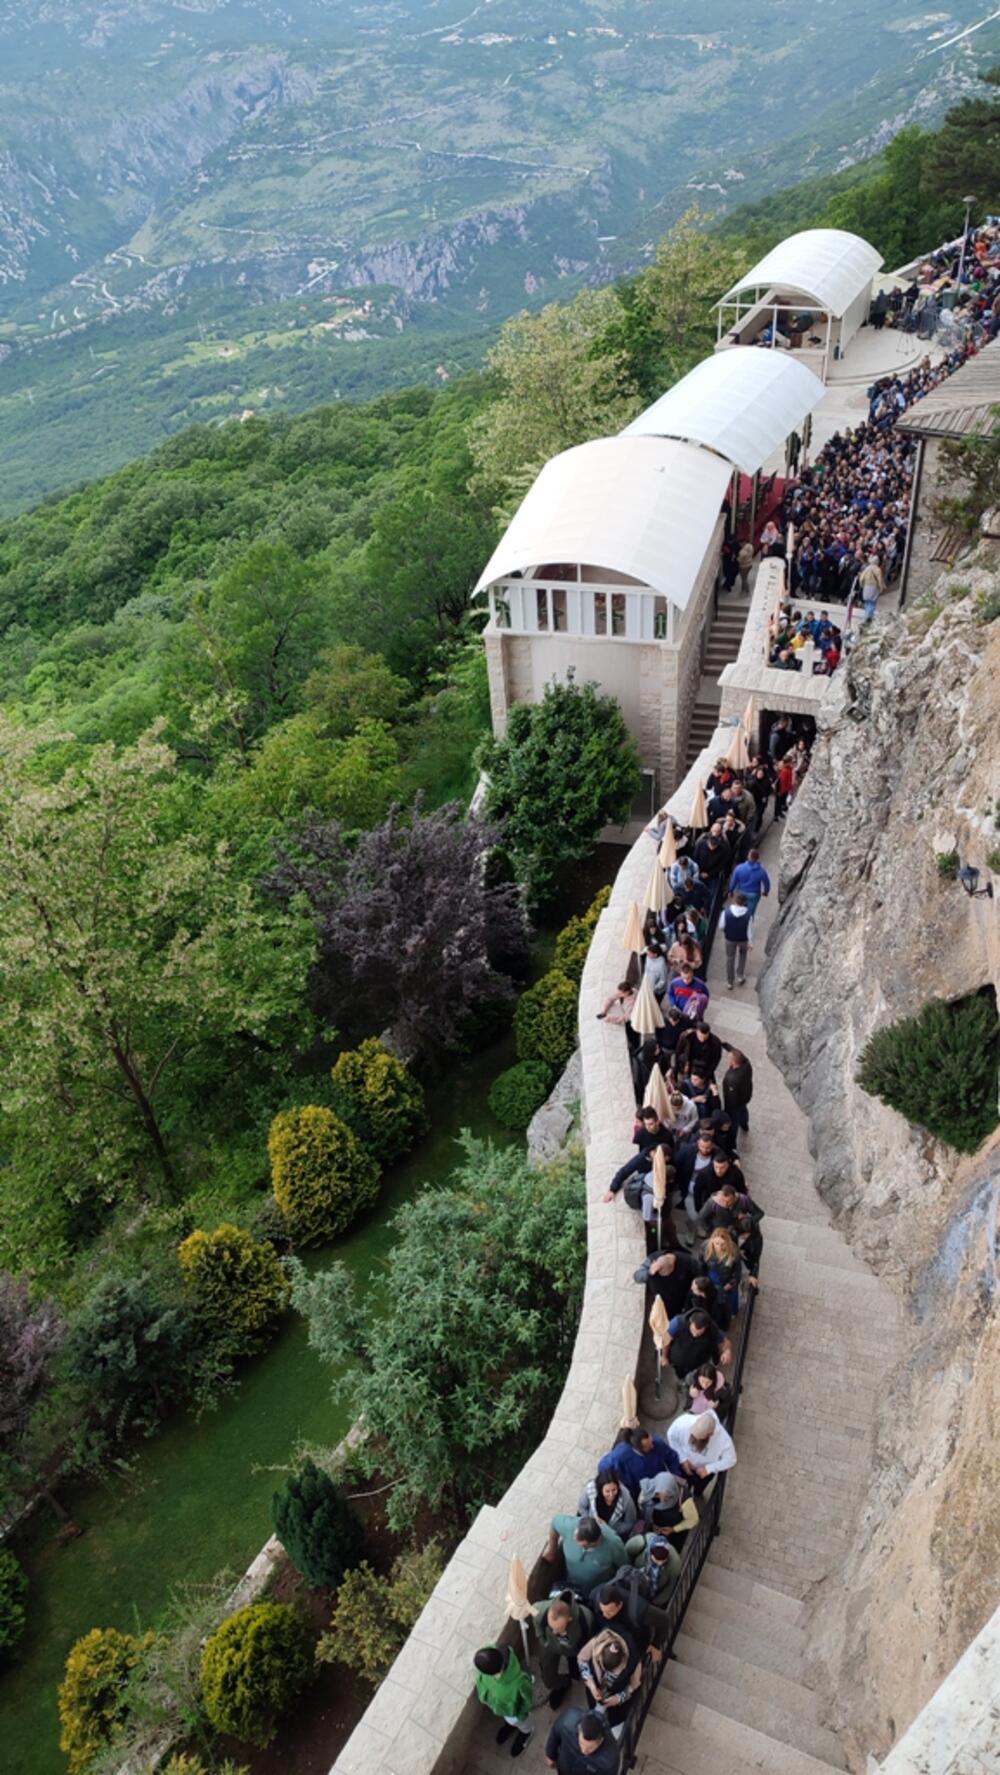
(606, 1499)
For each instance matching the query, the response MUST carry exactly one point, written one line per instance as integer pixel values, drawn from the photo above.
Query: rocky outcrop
(551, 1126)
(907, 764)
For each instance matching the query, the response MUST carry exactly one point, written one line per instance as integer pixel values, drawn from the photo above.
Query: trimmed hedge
(517, 1093)
(92, 1692)
(321, 1174)
(939, 1069)
(545, 1021)
(252, 1668)
(235, 1284)
(576, 936)
(373, 1615)
(378, 1098)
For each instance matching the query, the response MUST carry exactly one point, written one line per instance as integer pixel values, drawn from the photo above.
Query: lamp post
(968, 202)
(969, 878)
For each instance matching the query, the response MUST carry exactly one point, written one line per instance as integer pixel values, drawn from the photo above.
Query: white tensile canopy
(743, 404)
(827, 266)
(642, 507)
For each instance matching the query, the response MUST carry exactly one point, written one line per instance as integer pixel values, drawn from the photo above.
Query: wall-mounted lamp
(969, 877)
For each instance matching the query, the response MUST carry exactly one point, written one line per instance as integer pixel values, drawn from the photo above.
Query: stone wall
(907, 763)
(421, 1717)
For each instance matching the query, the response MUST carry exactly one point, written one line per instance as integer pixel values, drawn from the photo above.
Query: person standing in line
(785, 787)
(737, 924)
(871, 586)
(737, 1087)
(562, 1626)
(744, 561)
(506, 1690)
(581, 1744)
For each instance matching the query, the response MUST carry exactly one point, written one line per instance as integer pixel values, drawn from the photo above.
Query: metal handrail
(695, 1553)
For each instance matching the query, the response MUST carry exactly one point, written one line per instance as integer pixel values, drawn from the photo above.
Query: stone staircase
(723, 645)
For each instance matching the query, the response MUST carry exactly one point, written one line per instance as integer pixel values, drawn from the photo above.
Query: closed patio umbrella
(738, 755)
(659, 1187)
(632, 937)
(658, 893)
(630, 1403)
(518, 1606)
(668, 845)
(748, 722)
(657, 1097)
(646, 1016)
(699, 812)
(658, 1325)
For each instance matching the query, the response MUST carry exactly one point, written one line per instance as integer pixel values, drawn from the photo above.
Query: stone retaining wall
(420, 1719)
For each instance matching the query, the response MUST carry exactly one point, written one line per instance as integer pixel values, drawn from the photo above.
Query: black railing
(696, 1551)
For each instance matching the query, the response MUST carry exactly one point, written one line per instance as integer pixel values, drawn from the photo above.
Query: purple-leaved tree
(415, 933)
(30, 1335)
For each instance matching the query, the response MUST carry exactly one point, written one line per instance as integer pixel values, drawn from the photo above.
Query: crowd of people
(617, 1556)
(955, 291)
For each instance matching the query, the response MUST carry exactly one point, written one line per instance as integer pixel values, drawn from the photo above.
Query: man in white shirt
(702, 1446)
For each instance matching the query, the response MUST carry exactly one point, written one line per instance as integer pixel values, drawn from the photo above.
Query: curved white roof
(741, 403)
(641, 506)
(828, 265)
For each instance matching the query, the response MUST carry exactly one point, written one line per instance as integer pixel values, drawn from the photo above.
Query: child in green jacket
(506, 1690)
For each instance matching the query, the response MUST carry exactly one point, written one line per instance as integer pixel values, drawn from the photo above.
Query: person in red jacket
(785, 786)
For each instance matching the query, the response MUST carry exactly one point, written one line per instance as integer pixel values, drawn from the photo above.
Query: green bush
(373, 1615)
(235, 1284)
(252, 1668)
(322, 1176)
(939, 1069)
(378, 1098)
(92, 1692)
(13, 1590)
(576, 936)
(517, 1093)
(315, 1524)
(545, 1021)
(947, 864)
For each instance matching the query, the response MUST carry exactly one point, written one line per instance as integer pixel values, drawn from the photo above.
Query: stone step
(676, 1753)
(771, 1602)
(782, 1266)
(778, 1630)
(742, 1642)
(733, 1745)
(736, 1673)
(746, 1705)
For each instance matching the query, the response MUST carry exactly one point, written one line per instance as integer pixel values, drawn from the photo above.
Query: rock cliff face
(907, 763)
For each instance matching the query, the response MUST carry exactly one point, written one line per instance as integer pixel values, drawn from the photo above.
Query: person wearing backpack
(737, 924)
(611, 1668)
(562, 1625)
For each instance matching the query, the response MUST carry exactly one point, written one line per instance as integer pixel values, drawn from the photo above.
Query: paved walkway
(736, 1695)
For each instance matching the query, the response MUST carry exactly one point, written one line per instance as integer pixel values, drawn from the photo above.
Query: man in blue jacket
(752, 880)
(641, 1456)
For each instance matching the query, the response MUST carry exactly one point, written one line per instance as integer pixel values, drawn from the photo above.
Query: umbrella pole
(659, 1227)
(524, 1642)
(659, 1369)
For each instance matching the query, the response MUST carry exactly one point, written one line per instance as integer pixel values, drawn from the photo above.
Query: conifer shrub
(315, 1524)
(321, 1175)
(373, 1614)
(939, 1069)
(377, 1097)
(545, 1021)
(516, 1093)
(92, 1694)
(182, 1764)
(235, 1284)
(575, 938)
(252, 1668)
(13, 1592)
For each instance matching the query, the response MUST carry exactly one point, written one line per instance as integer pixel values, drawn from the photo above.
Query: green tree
(565, 768)
(563, 380)
(516, 1093)
(247, 646)
(379, 1100)
(235, 1285)
(964, 155)
(665, 320)
(576, 936)
(321, 1175)
(13, 1594)
(126, 949)
(130, 1352)
(457, 1366)
(348, 686)
(317, 1527)
(421, 564)
(252, 1669)
(92, 1694)
(895, 209)
(295, 771)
